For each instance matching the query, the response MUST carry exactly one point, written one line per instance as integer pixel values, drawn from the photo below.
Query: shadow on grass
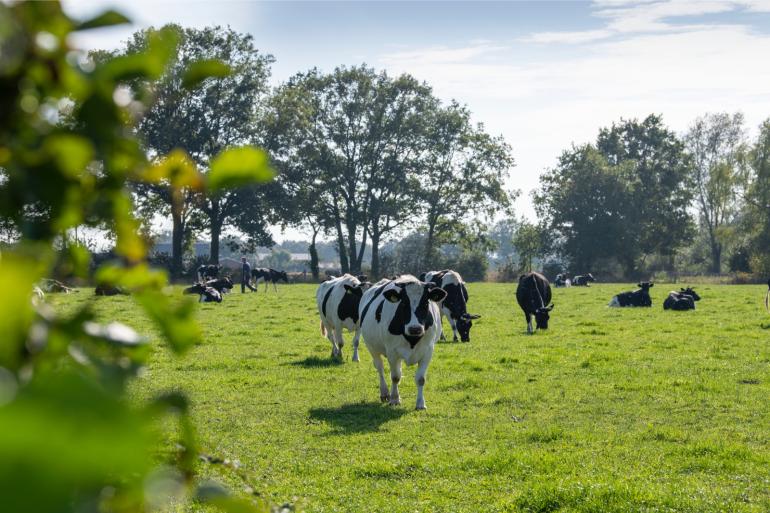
(357, 417)
(314, 362)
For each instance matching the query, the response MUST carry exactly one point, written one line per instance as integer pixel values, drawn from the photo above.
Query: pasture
(609, 410)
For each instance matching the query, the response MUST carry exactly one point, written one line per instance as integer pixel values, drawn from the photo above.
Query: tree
(584, 200)
(716, 143)
(223, 111)
(462, 171)
(528, 243)
(658, 175)
(756, 218)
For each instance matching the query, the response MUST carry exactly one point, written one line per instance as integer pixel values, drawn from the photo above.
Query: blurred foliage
(70, 440)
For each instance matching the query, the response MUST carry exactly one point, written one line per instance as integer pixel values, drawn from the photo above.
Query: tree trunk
(216, 231)
(313, 257)
(344, 267)
(429, 243)
(352, 252)
(716, 257)
(177, 236)
(375, 255)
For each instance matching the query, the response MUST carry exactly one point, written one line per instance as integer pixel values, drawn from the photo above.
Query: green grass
(609, 410)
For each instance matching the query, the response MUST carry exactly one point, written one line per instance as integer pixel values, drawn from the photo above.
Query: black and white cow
(223, 285)
(455, 305)
(639, 297)
(208, 272)
(337, 300)
(400, 320)
(205, 294)
(582, 280)
(268, 275)
(562, 281)
(534, 297)
(683, 300)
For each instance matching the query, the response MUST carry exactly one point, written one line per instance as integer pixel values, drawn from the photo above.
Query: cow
(640, 297)
(338, 300)
(208, 272)
(562, 281)
(683, 300)
(582, 280)
(269, 275)
(54, 286)
(401, 321)
(205, 293)
(534, 297)
(222, 285)
(454, 307)
(105, 289)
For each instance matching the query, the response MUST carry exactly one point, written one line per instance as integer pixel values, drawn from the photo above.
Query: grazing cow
(640, 297)
(582, 280)
(534, 295)
(683, 300)
(205, 293)
(562, 281)
(454, 306)
(208, 272)
(338, 300)
(401, 321)
(268, 275)
(223, 285)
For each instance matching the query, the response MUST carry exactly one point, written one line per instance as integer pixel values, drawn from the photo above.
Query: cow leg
(395, 379)
(356, 337)
(340, 340)
(454, 329)
(377, 360)
(419, 379)
(441, 325)
(330, 335)
(528, 317)
(275, 286)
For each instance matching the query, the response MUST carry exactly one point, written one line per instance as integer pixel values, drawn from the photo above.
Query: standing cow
(269, 275)
(401, 321)
(639, 297)
(534, 295)
(455, 305)
(337, 300)
(208, 272)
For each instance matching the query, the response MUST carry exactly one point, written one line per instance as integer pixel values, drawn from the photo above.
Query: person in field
(246, 276)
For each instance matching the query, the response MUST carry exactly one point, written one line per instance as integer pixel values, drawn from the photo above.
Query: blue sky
(542, 74)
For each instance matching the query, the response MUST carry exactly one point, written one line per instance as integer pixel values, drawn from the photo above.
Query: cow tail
(767, 300)
(323, 329)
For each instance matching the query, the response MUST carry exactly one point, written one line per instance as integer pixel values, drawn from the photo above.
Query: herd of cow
(400, 318)
(210, 287)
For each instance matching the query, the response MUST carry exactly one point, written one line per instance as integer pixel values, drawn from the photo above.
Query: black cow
(534, 296)
(683, 300)
(205, 294)
(640, 297)
(269, 275)
(582, 280)
(208, 272)
(223, 285)
(562, 281)
(455, 306)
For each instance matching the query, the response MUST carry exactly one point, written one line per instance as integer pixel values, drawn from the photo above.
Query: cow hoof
(355, 359)
(395, 402)
(455, 340)
(420, 407)
(384, 398)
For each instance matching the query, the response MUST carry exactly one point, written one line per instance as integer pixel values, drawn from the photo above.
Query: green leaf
(105, 19)
(235, 167)
(176, 321)
(199, 71)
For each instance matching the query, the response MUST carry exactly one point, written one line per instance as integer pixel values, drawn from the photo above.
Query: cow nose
(415, 330)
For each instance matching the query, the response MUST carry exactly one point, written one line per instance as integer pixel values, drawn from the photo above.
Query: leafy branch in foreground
(70, 438)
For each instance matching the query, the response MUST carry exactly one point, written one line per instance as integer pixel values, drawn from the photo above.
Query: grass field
(609, 410)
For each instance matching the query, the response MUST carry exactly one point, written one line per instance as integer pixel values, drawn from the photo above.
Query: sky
(544, 75)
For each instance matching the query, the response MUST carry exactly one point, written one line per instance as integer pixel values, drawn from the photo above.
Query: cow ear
(436, 294)
(474, 316)
(550, 307)
(652, 285)
(356, 291)
(392, 295)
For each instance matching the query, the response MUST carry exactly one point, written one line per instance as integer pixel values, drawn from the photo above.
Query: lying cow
(105, 289)
(562, 281)
(582, 280)
(268, 275)
(454, 306)
(205, 293)
(639, 297)
(222, 285)
(54, 286)
(208, 272)
(683, 300)
(534, 295)
(338, 300)
(401, 321)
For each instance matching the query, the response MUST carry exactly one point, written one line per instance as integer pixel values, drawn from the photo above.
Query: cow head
(283, 276)
(590, 277)
(464, 324)
(645, 285)
(542, 315)
(198, 288)
(690, 292)
(412, 298)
